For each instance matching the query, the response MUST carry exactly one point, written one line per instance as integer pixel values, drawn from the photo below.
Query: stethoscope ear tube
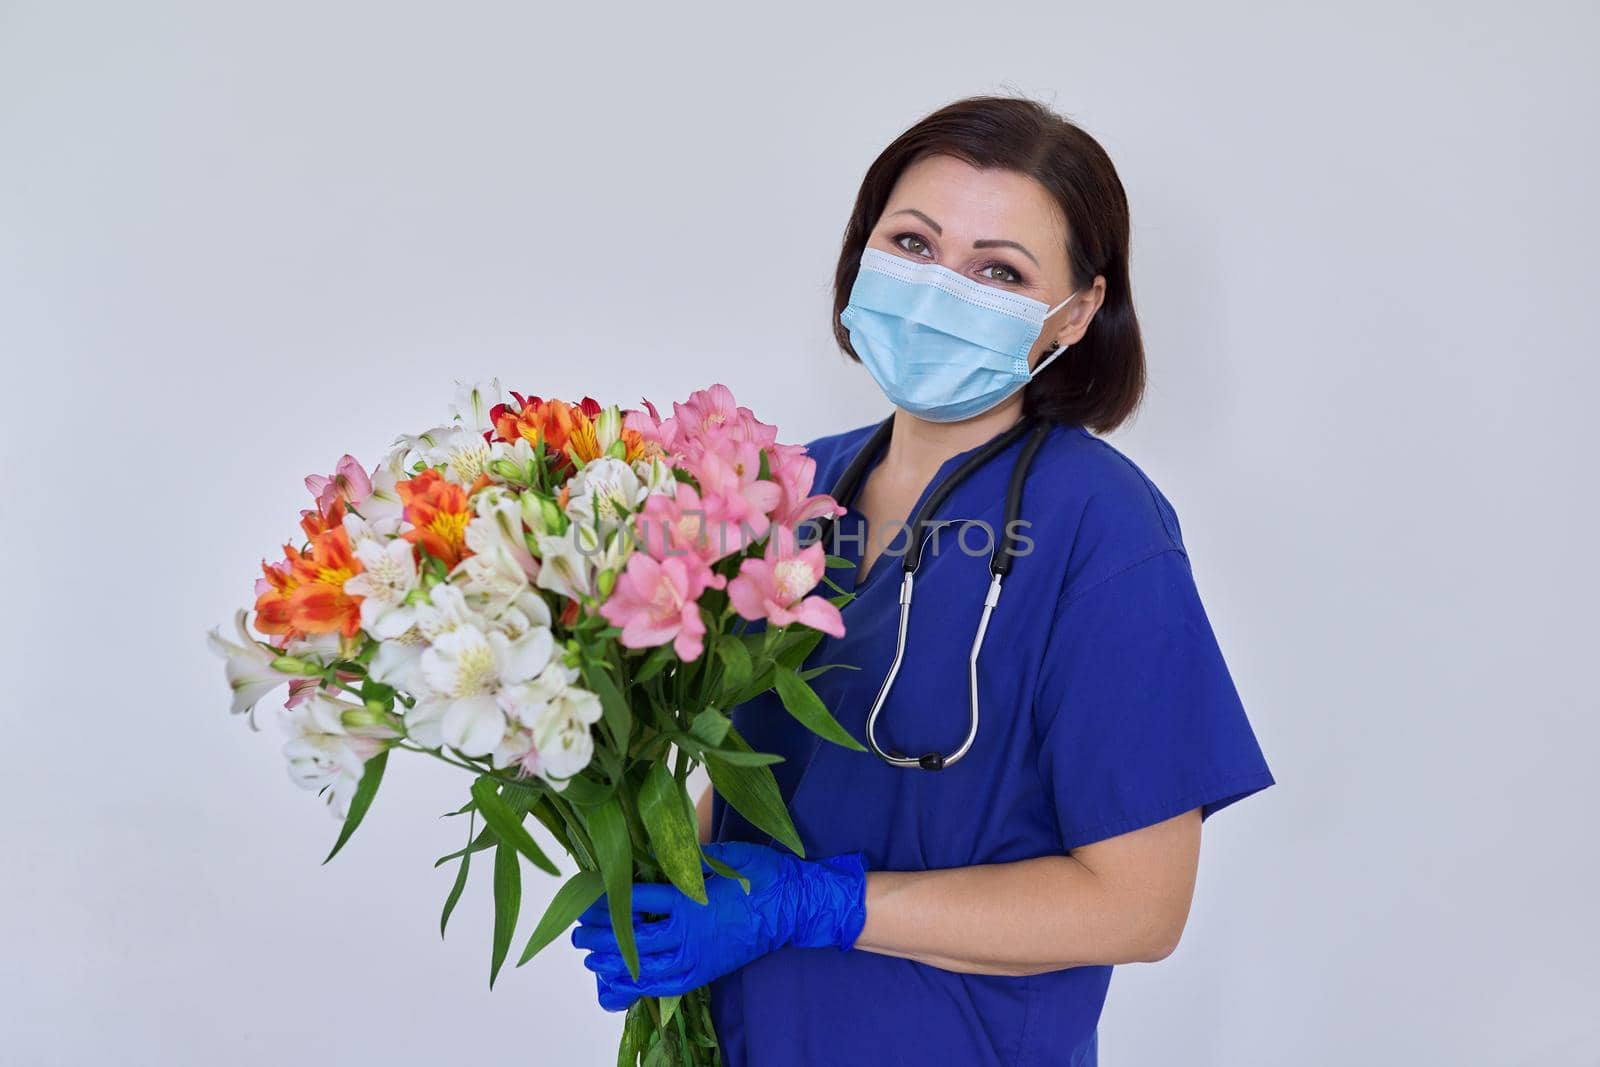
(1000, 565)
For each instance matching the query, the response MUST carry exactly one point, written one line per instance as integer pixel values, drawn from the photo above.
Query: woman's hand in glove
(807, 903)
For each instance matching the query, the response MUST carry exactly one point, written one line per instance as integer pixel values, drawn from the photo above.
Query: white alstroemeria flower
(383, 509)
(570, 561)
(527, 612)
(446, 609)
(398, 661)
(518, 452)
(550, 720)
(389, 577)
(608, 427)
(473, 402)
(464, 454)
(464, 670)
(563, 568)
(249, 667)
(321, 753)
(407, 448)
(501, 564)
(603, 494)
(656, 475)
(526, 702)
(563, 737)
(492, 570)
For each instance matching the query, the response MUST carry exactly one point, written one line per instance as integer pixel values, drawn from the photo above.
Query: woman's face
(995, 226)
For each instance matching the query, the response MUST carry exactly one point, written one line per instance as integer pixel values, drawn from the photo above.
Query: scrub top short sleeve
(1137, 715)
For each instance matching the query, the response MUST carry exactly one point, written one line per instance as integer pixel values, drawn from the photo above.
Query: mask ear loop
(1045, 362)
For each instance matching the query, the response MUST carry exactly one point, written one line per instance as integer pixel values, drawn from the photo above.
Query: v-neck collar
(860, 584)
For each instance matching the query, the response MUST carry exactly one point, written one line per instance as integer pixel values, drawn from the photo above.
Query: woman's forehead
(972, 203)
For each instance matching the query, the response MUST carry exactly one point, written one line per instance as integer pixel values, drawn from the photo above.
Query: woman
(971, 913)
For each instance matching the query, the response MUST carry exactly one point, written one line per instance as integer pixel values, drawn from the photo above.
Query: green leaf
(609, 832)
(835, 562)
(736, 666)
(658, 658)
(366, 789)
(710, 726)
(811, 672)
(795, 646)
(460, 884)
(507, 823)
(636, 1029)
(507, 903)
(618, 716)
(586, 792)
(485, 839)
(552, 822)
(579, 891)
(726, 871)
(669, 1006)
(673, 837)
(741, 758)
(753, 792)
(801, 701)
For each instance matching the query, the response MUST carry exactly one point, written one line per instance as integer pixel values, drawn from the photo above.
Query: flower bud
(295, 665)
(605, 581)
(532, 513)
(608, 428)
(506, 470)
(554, 521)
(358, 717)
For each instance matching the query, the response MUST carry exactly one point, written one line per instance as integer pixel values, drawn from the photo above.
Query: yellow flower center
(451, 526)
(476, 671)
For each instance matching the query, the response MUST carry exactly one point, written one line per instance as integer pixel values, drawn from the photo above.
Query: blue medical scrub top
(1105, 707)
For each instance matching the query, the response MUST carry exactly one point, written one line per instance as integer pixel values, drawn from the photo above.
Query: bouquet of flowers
(562, 599)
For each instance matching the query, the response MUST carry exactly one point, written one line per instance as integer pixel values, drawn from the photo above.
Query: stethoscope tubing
(1000, 563)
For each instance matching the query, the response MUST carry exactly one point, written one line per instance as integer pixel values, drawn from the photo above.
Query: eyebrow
(987, 242)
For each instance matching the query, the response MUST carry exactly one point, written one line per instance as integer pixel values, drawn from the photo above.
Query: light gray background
(237, 241)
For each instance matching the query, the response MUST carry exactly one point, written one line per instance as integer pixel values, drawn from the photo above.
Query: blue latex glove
(808, 903)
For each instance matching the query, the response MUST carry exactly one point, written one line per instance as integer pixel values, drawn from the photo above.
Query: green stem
(474, 768)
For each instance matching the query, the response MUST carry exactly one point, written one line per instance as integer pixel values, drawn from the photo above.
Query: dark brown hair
(1098, 381)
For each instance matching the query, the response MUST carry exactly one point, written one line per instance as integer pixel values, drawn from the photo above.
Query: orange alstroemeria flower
(638, 447)
(273, 612)
(438, 512)
(306, 590)
(314, 521)
(320, 603)
(566, 429)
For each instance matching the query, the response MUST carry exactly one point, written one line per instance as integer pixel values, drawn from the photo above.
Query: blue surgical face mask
(940, 345)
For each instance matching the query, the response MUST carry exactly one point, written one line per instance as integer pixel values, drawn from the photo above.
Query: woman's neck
(917, 448)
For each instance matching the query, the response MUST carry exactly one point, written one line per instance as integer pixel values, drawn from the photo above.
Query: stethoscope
(844, 492)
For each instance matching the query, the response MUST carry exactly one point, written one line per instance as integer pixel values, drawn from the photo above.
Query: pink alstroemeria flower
(730, 473)
(794, 471)
(712, 413)
(710, 420)
(652, 427)
(774, 586)
(689, 525)
(656, 601)
(349, 482)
